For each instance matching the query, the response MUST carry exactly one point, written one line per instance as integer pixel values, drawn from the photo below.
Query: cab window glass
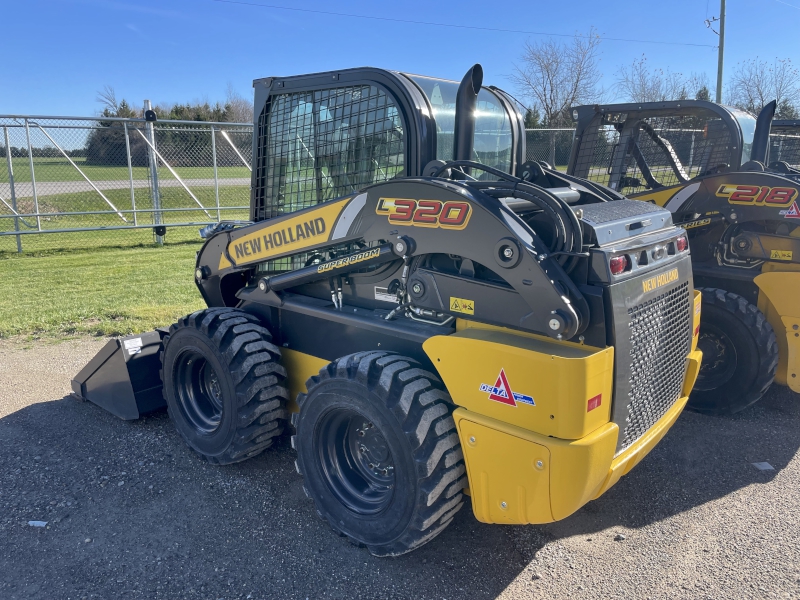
(493, 141)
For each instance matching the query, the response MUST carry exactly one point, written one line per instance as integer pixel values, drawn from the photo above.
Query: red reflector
(594, 402)
(682, 243)
(618, 264)
(697, 331)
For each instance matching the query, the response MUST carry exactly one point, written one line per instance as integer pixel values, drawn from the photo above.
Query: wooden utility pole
(720, 60)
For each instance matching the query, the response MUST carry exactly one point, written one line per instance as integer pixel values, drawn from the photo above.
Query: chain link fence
(84, 182)
(81, 182)
(550, 145)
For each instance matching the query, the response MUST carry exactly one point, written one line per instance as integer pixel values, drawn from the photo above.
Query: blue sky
(59, 53)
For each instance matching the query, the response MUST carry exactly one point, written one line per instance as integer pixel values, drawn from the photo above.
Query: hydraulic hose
(568, 239)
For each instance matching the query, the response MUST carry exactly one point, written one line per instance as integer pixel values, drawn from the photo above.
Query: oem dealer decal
(501, 392)
(793, 212)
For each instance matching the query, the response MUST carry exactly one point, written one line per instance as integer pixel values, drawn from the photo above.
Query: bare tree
(113, 107)
(555, 76)
(755, 82)
(108, 98)
(639, 83)
(239, 108)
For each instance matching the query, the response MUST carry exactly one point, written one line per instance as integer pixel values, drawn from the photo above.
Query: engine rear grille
(660, 340)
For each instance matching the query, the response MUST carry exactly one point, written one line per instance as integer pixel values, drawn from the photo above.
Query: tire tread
(423, 410)
(246, 348)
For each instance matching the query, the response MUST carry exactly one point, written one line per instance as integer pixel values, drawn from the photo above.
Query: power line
(407, 21)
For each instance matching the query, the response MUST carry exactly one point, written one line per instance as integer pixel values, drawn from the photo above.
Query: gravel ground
(133, 514)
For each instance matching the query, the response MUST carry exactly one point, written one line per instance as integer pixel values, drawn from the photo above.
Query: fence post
(216, 178)
(153, 161)
(11, 185)
(33, 178)
(130, 173)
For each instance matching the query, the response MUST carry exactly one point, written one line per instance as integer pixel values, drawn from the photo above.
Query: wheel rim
(356, 461)
(198, 390)
(719, 358)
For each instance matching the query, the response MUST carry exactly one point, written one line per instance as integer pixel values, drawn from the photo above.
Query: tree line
(43, 152)
(554, 76)
(180, 145)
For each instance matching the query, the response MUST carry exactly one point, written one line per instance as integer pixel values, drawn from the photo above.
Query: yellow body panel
(779, 300)
(508, 484)
(562, 379)
(299, 367)
(660, 197)
(698, 304)
(693, 362)
(631, 456)
(513, 489)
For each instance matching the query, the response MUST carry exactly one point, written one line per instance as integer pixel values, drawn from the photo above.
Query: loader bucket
(124, 377)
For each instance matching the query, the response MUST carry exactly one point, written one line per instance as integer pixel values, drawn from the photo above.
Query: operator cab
(634, 148)
(325, 135)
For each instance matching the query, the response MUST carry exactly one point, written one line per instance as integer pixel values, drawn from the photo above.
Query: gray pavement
(133, 514)
(52, 188)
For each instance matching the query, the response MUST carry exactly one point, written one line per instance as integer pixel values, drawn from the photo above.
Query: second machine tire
(378, 451)
(740, 354)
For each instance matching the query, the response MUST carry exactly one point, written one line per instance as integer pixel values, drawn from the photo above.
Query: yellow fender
(779, 300)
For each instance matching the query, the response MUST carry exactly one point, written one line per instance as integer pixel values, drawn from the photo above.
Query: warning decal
(133, 346)
(462, 305)
(501, 392)
(780, 254)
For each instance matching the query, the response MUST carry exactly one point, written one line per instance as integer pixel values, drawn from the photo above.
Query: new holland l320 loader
(429, 316)
(728, 178)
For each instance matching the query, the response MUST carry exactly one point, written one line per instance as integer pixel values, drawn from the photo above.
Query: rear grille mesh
(660, 339)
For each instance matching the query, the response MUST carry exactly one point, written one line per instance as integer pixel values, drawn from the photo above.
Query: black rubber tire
(411, 409)
(250, 386)
(748, 360)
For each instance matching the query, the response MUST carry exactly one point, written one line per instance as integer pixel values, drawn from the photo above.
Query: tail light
(618, 264)
(682, 244)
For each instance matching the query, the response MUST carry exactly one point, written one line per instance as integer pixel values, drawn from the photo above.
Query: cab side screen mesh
(785, 146)
(647, 153)
(316, 146)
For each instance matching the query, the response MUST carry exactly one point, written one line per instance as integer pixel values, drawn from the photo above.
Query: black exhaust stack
(466, 103)
(760, 149)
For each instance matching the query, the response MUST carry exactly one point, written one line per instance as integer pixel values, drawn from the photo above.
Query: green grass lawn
(91, 201)
(112, 292)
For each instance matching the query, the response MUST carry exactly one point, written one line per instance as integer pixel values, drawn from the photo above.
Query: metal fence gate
(84, 182)
(92, 181)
